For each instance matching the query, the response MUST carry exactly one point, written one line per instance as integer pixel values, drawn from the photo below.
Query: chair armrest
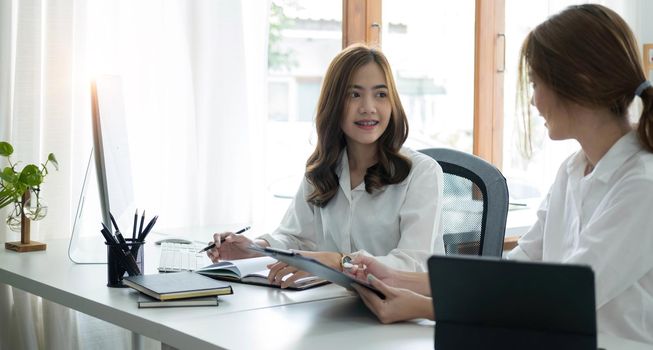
(510, 242)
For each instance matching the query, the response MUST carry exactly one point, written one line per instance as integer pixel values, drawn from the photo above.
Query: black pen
(121, 242)
(148, 228)
(114, 222)
(140, 228)
(210, 246)
(112, 240)
(107, 235)
(135, 224)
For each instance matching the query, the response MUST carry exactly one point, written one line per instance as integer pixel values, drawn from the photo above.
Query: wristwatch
(344, 259)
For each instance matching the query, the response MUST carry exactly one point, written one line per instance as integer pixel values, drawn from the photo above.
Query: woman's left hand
(284, 275)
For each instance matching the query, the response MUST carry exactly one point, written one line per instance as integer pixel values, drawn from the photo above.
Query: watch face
(345, 262)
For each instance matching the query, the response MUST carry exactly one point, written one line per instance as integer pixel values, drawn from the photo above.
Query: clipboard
(314, 267)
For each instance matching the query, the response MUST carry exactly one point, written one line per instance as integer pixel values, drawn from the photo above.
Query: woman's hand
(284, 275)
(230, 246)
(399, 304)
(362, 265)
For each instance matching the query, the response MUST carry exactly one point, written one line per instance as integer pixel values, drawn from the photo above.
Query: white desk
(322, 318)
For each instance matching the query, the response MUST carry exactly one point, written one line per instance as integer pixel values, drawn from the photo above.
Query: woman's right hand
(363, 265)
(399, 304)
(230, 246)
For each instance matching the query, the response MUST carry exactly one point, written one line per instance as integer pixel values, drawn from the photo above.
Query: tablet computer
(501, 304)
(314, 267)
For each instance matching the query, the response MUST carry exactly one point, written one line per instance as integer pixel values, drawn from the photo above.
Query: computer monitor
(107, 185)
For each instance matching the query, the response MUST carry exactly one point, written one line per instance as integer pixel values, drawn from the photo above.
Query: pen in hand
(210, 246)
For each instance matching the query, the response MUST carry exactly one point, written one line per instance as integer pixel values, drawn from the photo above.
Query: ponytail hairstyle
(392, 167)
(588, 55)
(645, 127)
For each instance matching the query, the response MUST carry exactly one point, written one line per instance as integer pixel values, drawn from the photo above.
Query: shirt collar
(617, 155)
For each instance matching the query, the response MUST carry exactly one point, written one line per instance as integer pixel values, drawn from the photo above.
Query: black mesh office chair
(475, 204)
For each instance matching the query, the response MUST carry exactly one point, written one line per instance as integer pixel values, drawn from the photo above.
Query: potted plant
(22, 189)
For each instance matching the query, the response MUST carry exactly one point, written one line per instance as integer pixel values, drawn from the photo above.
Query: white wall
(644, 26)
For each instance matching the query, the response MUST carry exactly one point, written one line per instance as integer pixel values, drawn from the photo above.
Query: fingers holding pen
(214, 252)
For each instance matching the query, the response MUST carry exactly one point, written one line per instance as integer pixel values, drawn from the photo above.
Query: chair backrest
(475, 203)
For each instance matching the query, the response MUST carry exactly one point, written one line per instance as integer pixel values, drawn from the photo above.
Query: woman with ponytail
(585, 71)
(363, 192)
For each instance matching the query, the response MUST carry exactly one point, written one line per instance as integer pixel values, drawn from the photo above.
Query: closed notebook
(177, 285)
(253, 271)
(145, 301)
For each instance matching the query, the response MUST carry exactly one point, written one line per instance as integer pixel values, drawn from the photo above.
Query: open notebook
(185, 257)
(252, 271)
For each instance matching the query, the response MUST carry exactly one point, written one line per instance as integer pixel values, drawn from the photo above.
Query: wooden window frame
(646, 59)
(489, 67)
(362, 23)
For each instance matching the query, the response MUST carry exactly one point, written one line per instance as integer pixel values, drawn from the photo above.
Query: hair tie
(643, 86)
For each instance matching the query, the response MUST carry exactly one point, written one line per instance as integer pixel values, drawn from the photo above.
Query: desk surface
(322, 318)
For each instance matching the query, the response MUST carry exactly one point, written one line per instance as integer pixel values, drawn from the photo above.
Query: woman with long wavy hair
(363, 192)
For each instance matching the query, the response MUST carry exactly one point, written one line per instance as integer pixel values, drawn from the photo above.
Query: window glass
(304, 37)
(430, 46)
(278, 97)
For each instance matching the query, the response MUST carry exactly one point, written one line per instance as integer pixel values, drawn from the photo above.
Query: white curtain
(193, 76)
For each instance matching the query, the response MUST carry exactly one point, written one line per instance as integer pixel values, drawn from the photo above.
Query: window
(431, 51)
(278, 99)
(304, 37)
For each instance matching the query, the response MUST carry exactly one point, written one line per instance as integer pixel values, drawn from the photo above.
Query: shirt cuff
(274, 243)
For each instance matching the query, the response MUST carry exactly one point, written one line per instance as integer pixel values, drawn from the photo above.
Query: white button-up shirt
(604, 220)
(398, 224)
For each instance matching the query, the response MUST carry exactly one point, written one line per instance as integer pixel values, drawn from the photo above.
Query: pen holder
(117, 261)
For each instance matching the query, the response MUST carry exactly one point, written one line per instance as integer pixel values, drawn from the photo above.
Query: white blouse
(398, 224)
(604, 220)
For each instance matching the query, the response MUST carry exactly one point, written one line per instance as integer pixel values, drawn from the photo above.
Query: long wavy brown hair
(588, 55)
(321, 166)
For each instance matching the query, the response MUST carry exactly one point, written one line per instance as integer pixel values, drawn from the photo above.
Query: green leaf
(4, 203)
(6, 197)
(53, 160)
(31, 176)
(5, 149)
(8, 175)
